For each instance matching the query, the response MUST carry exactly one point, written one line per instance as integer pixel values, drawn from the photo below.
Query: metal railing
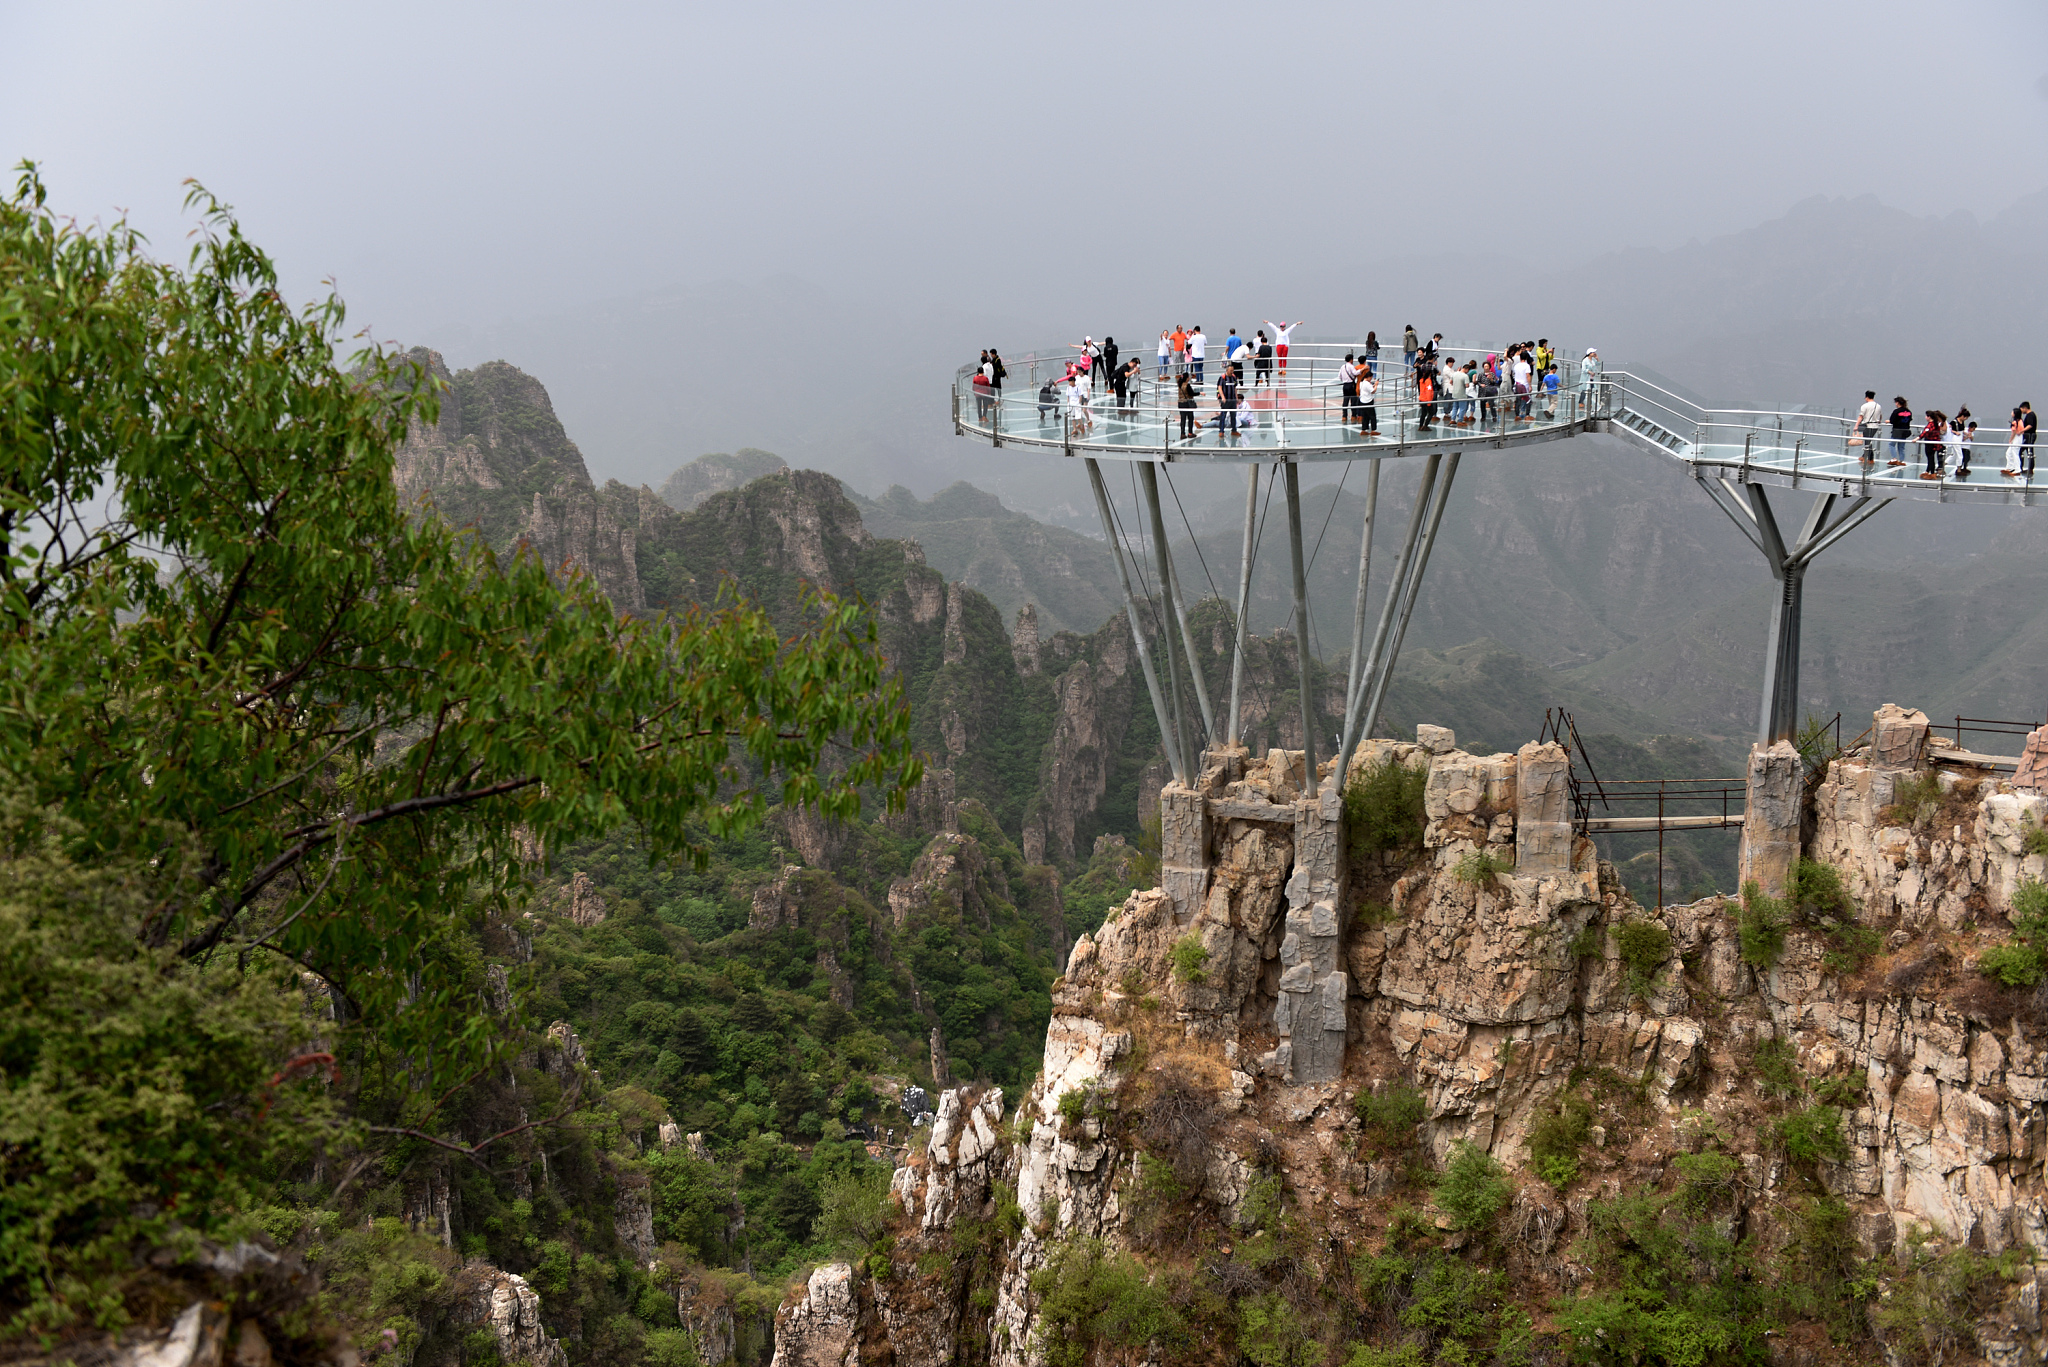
(1988, 726)
(1308, 409)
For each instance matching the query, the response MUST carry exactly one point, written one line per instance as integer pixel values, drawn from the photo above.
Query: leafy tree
(359, 722)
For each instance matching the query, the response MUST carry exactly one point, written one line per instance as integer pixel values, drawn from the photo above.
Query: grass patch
(1190, 960)
(1479, 867)
(1915, 800)
(1777, 1068)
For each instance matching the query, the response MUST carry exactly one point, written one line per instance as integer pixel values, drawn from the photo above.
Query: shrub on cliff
(1091, 1295)
(1383, 809)
(2023, 961)
(1473, 1187)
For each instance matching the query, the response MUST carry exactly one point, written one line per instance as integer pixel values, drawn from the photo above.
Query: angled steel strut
(1750, 510)
(1116, 548)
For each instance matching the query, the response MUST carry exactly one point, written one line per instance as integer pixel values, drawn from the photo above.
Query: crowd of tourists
(1944, 440)
(1507, 386)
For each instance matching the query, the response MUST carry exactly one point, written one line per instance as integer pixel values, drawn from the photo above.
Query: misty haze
(671, 697)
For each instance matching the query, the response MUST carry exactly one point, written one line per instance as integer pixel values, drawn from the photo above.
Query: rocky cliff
(1340, 1090)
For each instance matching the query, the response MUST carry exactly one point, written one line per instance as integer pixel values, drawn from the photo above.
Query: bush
(1473, 1188)
(136, 1094)
(2012, 965)
(1586, 944)
(1383, 809)
(1644, 946)
(1813, 1134)
(670, 1348)
(1478, 867)
(1090, 1295)
(1390, 1117)
(1190, 960)
(1777, 1067)
(2024, 961)
(1762, 927)
(1705, 1177)
(1557, 1136)
(1932, 1309)
(855, 1210)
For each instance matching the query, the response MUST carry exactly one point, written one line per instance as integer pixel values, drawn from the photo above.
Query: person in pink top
(1281, 332)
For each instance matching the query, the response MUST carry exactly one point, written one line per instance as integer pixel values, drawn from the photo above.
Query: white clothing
(1165, 346)
(1459, 380)
(1346, 373)
(1522, 371)
(1280, 335)
(1368, 387)
(1196, 342)
(1867, 415)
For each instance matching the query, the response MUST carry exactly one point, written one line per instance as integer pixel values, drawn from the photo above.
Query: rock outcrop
(1224, 1025)
(502, 1304)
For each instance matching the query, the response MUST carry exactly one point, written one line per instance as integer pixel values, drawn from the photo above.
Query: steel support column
(1386, 674)
(1372, 503)
(1244, 597)
(1749, 508)
(1301, 657)
(1148, 481)
(1123, 573)
(1348, 744)
(1187, 642)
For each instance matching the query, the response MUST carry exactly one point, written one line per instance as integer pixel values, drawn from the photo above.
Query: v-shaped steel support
(1750, 510)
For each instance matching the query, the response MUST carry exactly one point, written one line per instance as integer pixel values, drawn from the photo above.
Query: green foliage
(2012, 965)
(1091, 1295)
(1431, 1306)
(1555, 1139)
(2022, 962)
(357, 723)
(1479, 867)
(855, 1209)
(1586, 944)
(1915, 800)
(1761, 929)
(1373, 915)
(1705, 1177)
(1391, 1116)
(1932, 1309)
(671, 1348)
(2035, 841)
(1073, 1106)
(1473, 1188)
(1813, 1134)
(1190, 960)
(136, 1096)
(1678, 1291)
(1644, 947)
(1383, 809)
(1776, 1064)
(1272, 1332)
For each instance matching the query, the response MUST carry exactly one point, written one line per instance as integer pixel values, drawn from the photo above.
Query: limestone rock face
(954, 873)
(504, 1304)
(586, 904)
(1279, 976)
(819, 1329)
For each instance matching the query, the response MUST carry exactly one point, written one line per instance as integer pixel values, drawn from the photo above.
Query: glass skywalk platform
(1302, 417)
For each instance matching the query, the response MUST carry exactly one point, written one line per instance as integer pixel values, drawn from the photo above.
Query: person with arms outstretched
(1281, 332)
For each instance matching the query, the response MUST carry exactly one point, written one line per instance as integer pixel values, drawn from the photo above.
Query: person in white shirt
(1281, 333)
(1589, 377)
(1459, 384)
(1165, 352)
(1522, 373)
(1368, 394)
(1866, 426)
(1197, 349)
(1347, 386)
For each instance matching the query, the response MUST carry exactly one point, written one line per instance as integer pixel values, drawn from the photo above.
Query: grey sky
(460, 164)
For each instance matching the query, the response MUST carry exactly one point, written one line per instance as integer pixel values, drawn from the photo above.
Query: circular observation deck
(1295, 414)
(1301, 416)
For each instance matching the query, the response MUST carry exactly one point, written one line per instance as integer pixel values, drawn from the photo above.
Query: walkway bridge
(1301, 417)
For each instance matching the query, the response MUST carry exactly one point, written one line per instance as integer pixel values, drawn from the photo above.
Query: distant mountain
(691, 484)
(969, 536)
